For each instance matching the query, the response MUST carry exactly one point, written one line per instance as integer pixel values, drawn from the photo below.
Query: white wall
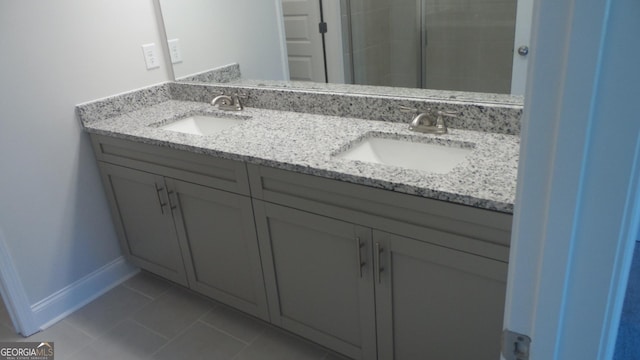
(217, 33)
(56, 54)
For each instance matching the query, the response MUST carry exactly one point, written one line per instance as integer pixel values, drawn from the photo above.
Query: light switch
(151, 56)
(174, 50)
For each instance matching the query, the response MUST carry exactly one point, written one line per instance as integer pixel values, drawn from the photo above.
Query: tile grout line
(240, 352)
(111, 328)
(115, 326)
(93, 339)
(171, 286)
(200, 319)
(79, 329)
(149, 329)
(104, 332)
(138, 292)
(264, 330)
(171, 340)
(221, 331)
(250, 343)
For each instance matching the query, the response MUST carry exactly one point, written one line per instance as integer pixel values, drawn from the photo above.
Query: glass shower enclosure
(463, 45)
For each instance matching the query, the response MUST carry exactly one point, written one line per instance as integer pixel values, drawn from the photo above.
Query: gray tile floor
(149, 318)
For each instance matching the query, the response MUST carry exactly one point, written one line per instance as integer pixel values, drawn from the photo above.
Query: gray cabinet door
(217, 231)
(143, 220)
(436, 303)
(318, 273)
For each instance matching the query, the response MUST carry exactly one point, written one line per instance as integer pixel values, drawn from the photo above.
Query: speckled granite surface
(384, 90)
(305, 143)
(122, 103)
(223, 74)
(370, 90)
(472, 115)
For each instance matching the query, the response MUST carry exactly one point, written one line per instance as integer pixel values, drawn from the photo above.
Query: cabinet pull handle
(162, 205)
(359, 246)
(380, 268)
(171, 205)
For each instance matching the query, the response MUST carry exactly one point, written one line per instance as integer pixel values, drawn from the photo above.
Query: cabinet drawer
(200, 169)
(482, 232)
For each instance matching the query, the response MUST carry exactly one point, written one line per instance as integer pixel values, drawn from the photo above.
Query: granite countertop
(418, 93)
(306, 143)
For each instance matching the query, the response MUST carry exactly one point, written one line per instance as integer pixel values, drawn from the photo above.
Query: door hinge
(515, 346)
(323, 27)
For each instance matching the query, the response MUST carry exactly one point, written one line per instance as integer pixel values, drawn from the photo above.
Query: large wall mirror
(460, 45)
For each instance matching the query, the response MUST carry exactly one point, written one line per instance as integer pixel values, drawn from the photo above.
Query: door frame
(333, 41)
(577, 212)
(524, 14)
(283, 39)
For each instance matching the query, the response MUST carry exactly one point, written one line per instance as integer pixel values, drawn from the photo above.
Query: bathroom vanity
(373, 261)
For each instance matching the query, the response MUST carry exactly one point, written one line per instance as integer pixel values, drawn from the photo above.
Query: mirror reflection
(460, 45)
(208, 34)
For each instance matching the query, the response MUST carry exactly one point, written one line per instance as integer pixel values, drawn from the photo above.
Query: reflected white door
(304, 41)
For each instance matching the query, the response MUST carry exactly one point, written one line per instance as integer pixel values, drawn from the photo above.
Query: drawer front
(478, 231)
(200, 169)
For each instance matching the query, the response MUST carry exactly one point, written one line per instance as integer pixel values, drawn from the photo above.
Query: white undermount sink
(202, 124)
(408, 154)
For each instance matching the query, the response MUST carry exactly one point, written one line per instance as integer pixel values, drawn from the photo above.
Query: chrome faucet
(428, 122)
(228, 103)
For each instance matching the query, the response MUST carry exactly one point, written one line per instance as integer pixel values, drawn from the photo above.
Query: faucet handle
(240, 95)
(452, 114)
(440, 124)
(407, 109)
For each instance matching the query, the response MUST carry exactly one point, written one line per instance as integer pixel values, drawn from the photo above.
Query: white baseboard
(13, 293)
(71, 298)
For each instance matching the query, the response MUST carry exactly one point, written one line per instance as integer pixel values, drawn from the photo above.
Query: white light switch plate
(174, 50)
(151, 56)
